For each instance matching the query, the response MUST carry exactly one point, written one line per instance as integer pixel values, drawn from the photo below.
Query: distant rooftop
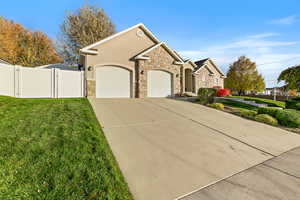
(200, 63)
(4, 62)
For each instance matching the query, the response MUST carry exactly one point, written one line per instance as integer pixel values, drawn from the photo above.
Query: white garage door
(159, 83)
(113, 82)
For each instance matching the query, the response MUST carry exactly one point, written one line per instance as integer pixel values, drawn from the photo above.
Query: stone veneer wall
(160, 59)
(209, 80)
(91, 88)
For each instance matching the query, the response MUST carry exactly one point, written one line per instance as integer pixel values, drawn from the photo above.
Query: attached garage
(159, 83)
(132, 64)
(113, 82)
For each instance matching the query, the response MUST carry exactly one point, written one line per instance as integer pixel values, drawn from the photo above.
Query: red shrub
(223, 92)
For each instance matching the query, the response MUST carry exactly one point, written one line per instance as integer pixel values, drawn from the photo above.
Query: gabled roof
(143, 56)
(206, 67)
(192, 63)
(200, 63)
(178, 55)
(89, 49)
(4, 62)
(185, 60)
(203, 62)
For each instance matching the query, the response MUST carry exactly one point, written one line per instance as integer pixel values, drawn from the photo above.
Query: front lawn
(269, 102)
(54, 149)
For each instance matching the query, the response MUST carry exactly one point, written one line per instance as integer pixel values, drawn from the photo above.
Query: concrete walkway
(168, 148)
(278, 178)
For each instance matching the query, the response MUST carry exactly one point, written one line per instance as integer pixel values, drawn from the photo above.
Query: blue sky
(266, 31)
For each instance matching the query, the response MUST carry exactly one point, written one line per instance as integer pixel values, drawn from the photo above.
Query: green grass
(54, 149)
(237, 104)
(269, 102)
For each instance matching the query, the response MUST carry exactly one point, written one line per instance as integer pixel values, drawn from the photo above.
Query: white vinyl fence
(27, 82)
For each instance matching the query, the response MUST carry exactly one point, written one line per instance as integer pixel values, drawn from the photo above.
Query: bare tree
(83, 27)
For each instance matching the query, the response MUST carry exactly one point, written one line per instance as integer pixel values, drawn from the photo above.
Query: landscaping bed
(261, 110)
(283, 119)
(55, 149)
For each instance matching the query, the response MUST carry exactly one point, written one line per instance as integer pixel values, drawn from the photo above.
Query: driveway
(167, 148)
(278, 178)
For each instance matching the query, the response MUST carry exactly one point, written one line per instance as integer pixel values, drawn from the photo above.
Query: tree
(85, 26)
(8, 40)
(243, 76)
(293, 93)
(291, 77)
(21, 46)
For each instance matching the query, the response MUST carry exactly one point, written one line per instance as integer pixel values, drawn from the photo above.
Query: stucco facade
(139, 51)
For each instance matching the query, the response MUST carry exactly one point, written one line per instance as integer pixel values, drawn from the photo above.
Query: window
(216, 81)
(203, 77)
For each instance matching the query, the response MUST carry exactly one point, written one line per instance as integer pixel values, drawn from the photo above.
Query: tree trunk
(240, 92)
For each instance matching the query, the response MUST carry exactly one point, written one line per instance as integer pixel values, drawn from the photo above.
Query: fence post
(53, 83)
(82, 84)
(56, 82)
(17, 77)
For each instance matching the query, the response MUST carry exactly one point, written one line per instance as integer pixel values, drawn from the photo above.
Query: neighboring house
(57, 66)
(4, 62)
(134, 63)
(208, 74)
(275, 90)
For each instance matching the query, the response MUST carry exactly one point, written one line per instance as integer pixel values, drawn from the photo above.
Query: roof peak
(88, 48)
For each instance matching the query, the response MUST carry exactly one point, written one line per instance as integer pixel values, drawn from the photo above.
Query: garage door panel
(113, 82)
(159, 84)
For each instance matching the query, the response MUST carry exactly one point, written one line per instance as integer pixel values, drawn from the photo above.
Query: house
(208, 74)
(60, 66)
(4, 62)
(135, 64)
(280, 91)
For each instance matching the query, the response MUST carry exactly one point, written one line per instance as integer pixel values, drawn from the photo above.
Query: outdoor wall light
(177, 75)
(142, 72)
(90, 68)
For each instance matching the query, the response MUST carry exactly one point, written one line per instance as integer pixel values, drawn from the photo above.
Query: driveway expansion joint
(280, 170)
(216, 130)
(245, 170)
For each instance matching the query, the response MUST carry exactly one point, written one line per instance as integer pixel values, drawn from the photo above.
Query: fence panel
(36, 83)
(7, 81)
(69, 83)
(27, 82)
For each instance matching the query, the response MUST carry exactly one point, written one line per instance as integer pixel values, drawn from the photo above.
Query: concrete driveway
(168, 148)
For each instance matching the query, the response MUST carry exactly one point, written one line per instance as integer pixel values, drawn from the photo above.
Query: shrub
(218, 106)
(267, 119)
(293, 104)
(298, 106)
(238, 111)
(223, 92)
(250, 114)
(206, 95)
(267, 110)
(296, 99)
(289, 118)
